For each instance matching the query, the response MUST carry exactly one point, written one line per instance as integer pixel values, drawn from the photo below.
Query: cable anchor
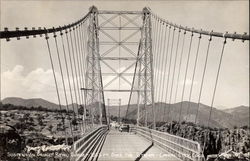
(46, 34)
(6, 30)
(18, 38)
(210, 34)
(26, 29)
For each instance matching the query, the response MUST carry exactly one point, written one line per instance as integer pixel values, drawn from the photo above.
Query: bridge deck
(130, 147)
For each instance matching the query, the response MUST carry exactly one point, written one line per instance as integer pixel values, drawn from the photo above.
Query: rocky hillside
(237, 116)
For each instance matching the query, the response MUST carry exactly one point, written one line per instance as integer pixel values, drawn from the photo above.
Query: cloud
(37, 83)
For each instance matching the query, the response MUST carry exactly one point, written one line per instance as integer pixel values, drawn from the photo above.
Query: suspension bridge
(159, 54)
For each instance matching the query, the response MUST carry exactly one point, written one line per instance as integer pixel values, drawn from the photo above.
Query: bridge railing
(83, 146)
(180, 147)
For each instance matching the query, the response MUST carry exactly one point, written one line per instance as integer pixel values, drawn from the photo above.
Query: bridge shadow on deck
(144, 152)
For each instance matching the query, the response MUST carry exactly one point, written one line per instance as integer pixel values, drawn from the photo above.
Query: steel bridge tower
(94, 88)
(145, 99)
(141, 57)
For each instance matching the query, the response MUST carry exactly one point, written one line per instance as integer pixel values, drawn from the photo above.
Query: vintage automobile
(124, 128)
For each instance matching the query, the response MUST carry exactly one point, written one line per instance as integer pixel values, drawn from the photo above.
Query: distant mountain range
(33, 102)
(240, 113)
(237, 116)
(228, 118)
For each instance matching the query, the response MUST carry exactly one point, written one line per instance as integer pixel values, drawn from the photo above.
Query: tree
(26, 117)
(50, 129)
(81, 110)
(74, 123)
(40, 120)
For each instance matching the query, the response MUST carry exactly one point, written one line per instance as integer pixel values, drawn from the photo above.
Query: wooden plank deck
(123, 146)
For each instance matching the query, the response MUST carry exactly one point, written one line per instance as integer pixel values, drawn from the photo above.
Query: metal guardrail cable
(182, 148)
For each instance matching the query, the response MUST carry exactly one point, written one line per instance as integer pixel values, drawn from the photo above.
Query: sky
(25, 66)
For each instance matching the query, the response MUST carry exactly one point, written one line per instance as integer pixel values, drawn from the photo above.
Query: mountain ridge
(226, 118)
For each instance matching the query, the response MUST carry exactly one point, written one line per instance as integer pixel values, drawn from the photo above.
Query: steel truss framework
(144, 70)
(94, 96)
(96, 89)
(116, 43)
